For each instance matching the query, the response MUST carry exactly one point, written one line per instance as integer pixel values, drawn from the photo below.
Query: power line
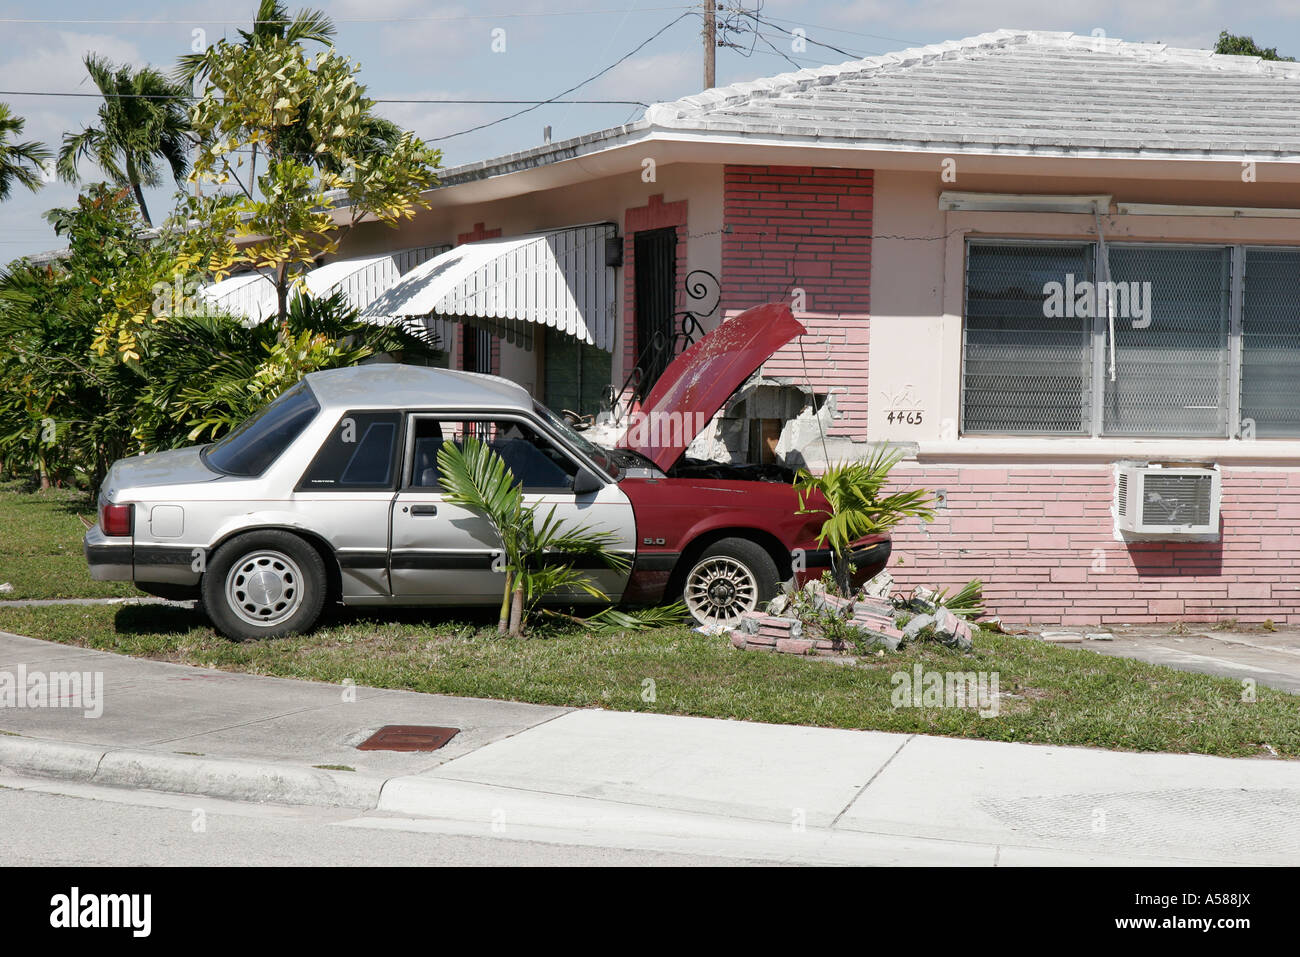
(759, 18)
(642, 45)
(181, 96)
(69, 21)
(852, 33)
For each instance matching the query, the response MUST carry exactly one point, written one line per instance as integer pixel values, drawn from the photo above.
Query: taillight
(115, 520)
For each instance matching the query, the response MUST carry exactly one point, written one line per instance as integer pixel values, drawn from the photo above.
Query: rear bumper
(110, 559)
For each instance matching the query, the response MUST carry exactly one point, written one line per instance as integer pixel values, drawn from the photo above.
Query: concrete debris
(1061, 637)
(813, 620)
(880, 586)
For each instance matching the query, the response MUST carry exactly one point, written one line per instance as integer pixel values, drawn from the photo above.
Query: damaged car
(332, 494)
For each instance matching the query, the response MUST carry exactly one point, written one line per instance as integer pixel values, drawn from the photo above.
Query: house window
(1206, 340)
(1025, 371)
(1171, 366)
(1270, 343)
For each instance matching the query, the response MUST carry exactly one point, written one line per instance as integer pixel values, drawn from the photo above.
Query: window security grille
(1270, 343)
(1024, 372)
(1171, 374)
(1218, 353)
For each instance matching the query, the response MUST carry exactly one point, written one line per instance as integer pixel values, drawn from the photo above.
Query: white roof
(556, 279)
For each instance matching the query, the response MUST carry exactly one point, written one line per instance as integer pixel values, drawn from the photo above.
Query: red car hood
(699, 381)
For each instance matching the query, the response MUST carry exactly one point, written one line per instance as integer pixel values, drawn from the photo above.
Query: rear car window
(252, 446)
(359, 453)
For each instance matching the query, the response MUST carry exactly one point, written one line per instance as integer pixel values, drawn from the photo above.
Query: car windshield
(574, 438)
(258, 441)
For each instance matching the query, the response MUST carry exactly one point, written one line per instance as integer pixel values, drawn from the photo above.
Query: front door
(446, 554)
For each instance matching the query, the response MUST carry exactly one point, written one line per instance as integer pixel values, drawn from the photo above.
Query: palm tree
(19, 162)
(144, 118)
(538, 552)
(272, 21)
(850, 498)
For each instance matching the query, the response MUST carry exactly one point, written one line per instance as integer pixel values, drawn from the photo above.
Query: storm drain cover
(408, 737)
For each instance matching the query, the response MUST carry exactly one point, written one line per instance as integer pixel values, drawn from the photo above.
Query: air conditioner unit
(1151, 500)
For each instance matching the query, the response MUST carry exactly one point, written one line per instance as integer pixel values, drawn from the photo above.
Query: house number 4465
(905, 416)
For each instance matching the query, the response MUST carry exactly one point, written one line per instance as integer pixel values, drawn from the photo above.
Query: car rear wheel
(264, 585)
(729, 578)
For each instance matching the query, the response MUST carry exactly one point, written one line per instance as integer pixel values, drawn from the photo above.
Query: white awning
(251, 295)
(556, 279)
(361, 280)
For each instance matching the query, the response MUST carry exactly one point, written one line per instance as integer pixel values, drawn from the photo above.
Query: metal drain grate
(408, 737)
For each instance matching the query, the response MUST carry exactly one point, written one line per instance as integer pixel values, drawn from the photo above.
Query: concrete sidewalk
(722, 788)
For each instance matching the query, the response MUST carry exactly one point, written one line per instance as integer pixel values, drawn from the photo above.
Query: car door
(345, 495)
(447, 554)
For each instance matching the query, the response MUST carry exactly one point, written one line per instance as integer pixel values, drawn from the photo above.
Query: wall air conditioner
(1173, 502)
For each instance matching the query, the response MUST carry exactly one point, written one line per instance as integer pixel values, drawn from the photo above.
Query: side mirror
(585, 482)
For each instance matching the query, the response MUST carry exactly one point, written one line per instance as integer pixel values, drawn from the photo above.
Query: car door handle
(424, 510)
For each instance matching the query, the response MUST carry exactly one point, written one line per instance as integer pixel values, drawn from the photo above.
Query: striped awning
(555, 280)
(361, 279)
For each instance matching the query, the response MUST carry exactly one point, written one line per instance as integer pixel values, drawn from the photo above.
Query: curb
(223, 778)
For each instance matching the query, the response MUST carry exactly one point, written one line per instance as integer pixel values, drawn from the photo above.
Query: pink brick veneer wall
(809, 228)
(1041, 539)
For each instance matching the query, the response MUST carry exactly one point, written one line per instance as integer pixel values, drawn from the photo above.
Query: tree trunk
(840, 568)
(139, 193)
(517, 612)
(503, 622)
(282, 292)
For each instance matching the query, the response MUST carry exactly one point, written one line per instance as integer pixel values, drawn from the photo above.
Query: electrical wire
(73, 21)
(642, 45)
(382, 99)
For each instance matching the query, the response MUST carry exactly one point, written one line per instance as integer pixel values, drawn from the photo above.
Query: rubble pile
(813, 621)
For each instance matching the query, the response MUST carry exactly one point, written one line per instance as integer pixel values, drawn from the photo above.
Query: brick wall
(1042, 541)
(808, 229)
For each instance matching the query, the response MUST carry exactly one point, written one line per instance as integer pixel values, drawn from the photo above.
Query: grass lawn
(1051, 694)
(40, 545)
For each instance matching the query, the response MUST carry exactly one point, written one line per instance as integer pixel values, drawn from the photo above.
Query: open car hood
(699, 381)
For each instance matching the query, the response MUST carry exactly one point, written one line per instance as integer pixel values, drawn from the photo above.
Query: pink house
(1061, 273)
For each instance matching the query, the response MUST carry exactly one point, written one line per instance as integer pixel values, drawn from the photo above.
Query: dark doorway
(477, 354)
(655, 267)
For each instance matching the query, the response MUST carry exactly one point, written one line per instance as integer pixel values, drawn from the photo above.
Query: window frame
(1094, 416)
(399, 443)
(408, 454)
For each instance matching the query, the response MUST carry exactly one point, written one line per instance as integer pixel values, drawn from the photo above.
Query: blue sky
(423, 51)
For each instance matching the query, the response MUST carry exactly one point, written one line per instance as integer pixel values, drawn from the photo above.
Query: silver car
(301, 502)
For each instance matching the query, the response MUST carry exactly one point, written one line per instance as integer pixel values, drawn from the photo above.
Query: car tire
(265, 584)
(730, 577)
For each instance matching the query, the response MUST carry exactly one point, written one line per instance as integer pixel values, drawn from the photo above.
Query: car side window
(359, 454)
(531, 457)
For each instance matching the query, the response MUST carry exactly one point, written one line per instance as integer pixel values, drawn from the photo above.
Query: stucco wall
(598, 200)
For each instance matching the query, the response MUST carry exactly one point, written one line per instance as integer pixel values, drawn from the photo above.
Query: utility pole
(710, 43)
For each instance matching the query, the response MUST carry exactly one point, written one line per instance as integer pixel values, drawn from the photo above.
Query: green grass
(1061, 696)
(40, 545)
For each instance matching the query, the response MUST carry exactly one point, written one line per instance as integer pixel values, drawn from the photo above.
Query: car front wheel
(264, 585)
(729, 578)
